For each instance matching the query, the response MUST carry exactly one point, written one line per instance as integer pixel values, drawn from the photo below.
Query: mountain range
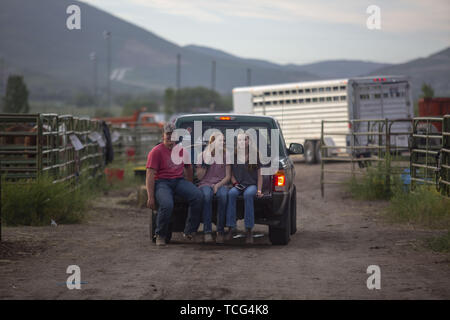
(35, 42)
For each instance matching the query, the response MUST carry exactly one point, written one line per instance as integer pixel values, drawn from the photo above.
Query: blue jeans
(208, 194)
(165, 189)
(249, 212)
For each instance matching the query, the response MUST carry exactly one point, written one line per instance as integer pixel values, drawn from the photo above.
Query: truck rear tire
(294, 211)
(281, 235)
(310, 152)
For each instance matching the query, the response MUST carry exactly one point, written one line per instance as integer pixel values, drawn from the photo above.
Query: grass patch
(372, 185)
(38, 202)
(425, 207)
(440, 244)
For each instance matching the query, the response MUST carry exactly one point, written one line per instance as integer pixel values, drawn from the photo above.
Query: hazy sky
(295, 31)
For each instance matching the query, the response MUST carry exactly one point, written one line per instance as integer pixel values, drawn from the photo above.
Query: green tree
(201, 99)
(84, 99)
(427, 91)
(16, 96)
(103, 113)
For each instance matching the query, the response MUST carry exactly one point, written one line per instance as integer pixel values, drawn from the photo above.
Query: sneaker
(160, 241)
(220, 239)
(191, 238)
(208, 238)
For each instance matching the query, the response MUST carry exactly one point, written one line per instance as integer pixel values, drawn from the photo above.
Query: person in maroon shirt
(164, 180)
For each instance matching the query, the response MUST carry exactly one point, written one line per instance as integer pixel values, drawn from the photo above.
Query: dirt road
(337, 239)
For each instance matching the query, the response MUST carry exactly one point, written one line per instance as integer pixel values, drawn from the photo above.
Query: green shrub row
(424, 206)
(37, 202)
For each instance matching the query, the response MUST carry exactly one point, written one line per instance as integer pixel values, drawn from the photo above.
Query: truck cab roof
(221, 117)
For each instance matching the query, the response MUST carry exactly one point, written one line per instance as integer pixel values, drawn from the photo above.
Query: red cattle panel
(434, 107)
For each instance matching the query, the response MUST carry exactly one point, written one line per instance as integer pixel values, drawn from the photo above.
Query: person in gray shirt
(247, 180)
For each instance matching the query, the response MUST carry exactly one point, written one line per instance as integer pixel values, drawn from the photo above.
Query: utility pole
(177, 92)
(178, 71)
(2, 76)
(93, 57)
(213, 75)
(213, 83)
(107, 35)
(249, 77)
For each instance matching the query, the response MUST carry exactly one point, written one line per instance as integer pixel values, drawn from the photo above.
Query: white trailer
(301, 107)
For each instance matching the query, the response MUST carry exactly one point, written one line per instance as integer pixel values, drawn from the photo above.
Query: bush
(372, 185)
(425, 207)
(36, 203)
(440, 244)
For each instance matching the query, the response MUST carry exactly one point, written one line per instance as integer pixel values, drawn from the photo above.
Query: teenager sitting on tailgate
(247, 180)
(214, 178)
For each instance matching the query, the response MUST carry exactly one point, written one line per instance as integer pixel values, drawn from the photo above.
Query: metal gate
(430, 153)
(376, 143)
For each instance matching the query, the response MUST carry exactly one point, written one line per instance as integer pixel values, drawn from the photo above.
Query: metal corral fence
(68, 148)
(430, 148)
(445, 157)
(132, 143)
(369, 140)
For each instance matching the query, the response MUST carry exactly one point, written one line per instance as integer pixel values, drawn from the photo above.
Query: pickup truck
(278, 206)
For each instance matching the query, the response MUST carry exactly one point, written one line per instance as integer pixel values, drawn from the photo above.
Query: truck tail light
(279, 181)
(225, 118)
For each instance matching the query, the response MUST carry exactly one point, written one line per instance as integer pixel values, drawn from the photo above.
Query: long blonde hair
(211, 140)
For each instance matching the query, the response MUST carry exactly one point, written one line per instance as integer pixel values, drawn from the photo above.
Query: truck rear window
(261, 129)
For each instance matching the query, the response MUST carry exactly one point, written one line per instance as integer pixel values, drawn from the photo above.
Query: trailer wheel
(310, 152)
(318, 151)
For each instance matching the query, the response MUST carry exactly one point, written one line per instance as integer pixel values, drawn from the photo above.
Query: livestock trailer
(301, 107)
